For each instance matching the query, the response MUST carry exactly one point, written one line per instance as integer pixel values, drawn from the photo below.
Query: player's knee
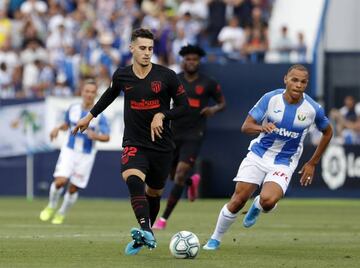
(60, 182)
(268, 202)
(73, 189)
(153, 192)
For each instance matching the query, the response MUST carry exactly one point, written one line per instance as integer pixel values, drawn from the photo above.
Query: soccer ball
(184, 245)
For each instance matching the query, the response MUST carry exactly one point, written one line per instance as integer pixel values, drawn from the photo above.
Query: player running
(77, 156)
(189, 130)
(148, 142)
(282, 119)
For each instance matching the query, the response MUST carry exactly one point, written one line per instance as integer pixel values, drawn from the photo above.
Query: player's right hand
(82, 124)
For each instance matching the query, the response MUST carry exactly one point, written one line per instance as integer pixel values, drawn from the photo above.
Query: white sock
(258, 205)
(225, 219)
(69, 201)
(54, 195)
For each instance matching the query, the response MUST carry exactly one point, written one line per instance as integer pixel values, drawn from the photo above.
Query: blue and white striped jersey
(285, 145)
(80, 142)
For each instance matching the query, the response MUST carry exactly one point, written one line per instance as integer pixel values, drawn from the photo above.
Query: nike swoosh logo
(277, 111)
(128, 88)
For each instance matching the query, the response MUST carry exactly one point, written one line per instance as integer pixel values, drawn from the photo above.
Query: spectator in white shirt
(232, 38)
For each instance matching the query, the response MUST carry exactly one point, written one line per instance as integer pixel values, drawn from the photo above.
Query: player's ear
(285, 79)
(131, 47)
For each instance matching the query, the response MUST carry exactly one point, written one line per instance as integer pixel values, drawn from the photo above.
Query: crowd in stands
(289, 50)
(50, 47)
(346, 122)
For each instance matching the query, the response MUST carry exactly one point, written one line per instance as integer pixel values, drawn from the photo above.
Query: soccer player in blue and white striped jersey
(77, 155)
(282, 119)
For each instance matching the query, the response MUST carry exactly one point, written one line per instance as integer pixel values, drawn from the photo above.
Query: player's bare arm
(211, 110)
(54, 133)
(92, 135)
(83, 124)
(250, 126)
(157, 126)
(308, 169)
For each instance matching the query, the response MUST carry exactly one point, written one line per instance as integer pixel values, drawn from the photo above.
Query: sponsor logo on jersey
(195, 103)
(286, 133)
(128, 88)
(281, 174)
(156, 86)
(145, 104)
(199, 89)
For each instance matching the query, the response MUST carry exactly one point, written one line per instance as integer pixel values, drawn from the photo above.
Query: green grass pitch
(300, 233)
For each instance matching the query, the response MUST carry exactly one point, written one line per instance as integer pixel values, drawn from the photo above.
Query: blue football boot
(252, 215)
(132, 248)
(212, 244)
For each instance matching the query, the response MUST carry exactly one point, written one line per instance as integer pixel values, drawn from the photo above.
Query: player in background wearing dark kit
(189, 130)
(148, 143)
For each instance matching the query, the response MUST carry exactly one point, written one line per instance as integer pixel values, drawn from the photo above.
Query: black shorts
(155, 165)
(186, 151)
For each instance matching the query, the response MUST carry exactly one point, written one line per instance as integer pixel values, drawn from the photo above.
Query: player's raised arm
(105, 100)
(108, 96)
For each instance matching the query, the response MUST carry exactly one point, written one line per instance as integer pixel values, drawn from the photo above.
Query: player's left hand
(207, 111)
(157, 126)
(307, 172)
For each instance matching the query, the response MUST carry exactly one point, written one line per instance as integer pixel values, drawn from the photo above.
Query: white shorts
(74, 165)
(253, 169)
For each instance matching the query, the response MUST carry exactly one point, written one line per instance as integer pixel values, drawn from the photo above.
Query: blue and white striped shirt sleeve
(321, 121)
(259, 110)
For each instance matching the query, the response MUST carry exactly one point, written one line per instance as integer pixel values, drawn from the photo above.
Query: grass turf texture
(300, 233)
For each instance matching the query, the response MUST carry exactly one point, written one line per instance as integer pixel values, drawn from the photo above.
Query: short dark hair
(192, 49)
(299, 67)
(142, 33)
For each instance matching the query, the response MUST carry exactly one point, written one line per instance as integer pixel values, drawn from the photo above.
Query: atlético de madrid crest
(156, 86)
(199, 89)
